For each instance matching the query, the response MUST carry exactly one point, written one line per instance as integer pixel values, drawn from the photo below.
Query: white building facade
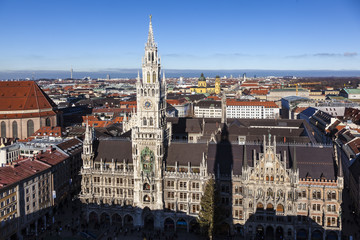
(252, 109)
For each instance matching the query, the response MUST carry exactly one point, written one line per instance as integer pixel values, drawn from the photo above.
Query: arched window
(142, 92)
(149, 56)
(15, 129)
(151, 121)
(333, 195)
(144, 121)
(3, 129)
(146, 186)
(152, 56)
(259, 206)
(148, 77)
(153, 92)
(269, 207)
(146, 198)
(30, 128)
(280, 208)
(47, 122)
(154, 77)
(289, 207)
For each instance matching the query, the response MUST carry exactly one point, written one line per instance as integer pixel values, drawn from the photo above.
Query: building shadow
(270, 225)
(223, 171)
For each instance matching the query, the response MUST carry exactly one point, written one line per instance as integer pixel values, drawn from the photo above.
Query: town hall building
(275, 181)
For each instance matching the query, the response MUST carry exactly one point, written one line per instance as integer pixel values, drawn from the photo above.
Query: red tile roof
(49, 131)
(53, 157)
(176, 101)
(23, 95)
(259, 91)
(19, 170)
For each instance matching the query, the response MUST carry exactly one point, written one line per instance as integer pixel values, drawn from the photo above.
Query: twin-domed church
(274, 180)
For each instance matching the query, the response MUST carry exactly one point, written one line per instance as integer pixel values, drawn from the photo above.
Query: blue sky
(242, 34)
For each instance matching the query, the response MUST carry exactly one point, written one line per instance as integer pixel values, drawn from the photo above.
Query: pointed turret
(88, 134)
(151, 41)
(88, 153)
(138, 77)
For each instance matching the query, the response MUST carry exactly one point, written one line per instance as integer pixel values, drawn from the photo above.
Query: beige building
(24, 108)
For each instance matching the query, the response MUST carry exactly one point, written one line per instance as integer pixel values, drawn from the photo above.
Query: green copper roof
(352, 90)
(202, 78)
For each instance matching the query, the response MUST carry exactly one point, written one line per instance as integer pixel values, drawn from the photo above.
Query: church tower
(88, 153)
(149, 136)
(217, 85)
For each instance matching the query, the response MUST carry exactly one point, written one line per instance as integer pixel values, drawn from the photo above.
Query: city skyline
(92, 36)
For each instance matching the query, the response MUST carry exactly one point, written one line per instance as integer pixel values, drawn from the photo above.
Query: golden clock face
(147, 104)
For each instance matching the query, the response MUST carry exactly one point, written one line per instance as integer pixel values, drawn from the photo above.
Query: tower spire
(151, 40)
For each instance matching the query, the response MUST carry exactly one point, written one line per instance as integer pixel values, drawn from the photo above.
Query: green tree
(210, 215)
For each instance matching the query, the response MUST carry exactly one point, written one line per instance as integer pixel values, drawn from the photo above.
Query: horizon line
(172, 69)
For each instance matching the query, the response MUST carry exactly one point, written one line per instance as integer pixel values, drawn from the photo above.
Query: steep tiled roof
(19, 170)
(259, 91)
(117, 149)
(23, 95)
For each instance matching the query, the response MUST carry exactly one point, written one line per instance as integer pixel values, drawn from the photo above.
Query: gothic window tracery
(148, 77)
(154, 77)
(144, 121)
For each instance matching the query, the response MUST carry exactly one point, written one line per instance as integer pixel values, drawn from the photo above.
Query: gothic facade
(148, 179)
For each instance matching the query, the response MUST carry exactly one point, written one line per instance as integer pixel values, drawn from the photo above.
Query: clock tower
(149, 135)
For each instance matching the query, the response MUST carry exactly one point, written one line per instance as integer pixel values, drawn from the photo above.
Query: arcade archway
(301, 235)
(331, 236)
(316, 235)
(128, 221)
(279, 233)
(260, 234)
(181, 225)
(169, 224)
(194, 226)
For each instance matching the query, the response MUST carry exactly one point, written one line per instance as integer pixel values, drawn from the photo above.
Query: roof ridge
(36, 97)
(27, 99)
